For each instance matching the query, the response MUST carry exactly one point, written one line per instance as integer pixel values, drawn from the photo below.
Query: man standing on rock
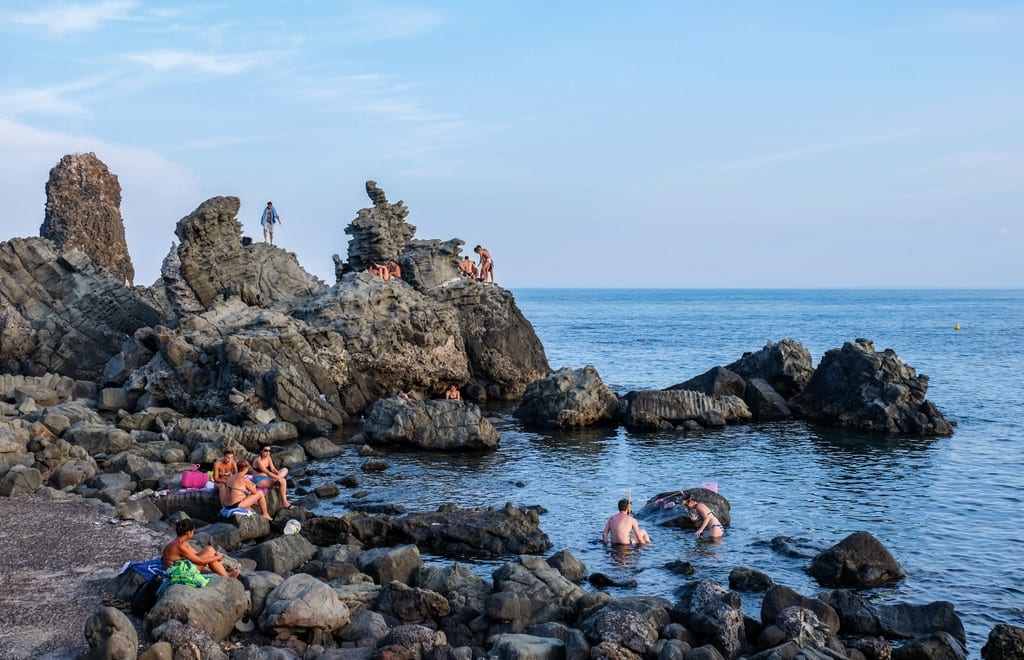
(486, 263)
(269, 219)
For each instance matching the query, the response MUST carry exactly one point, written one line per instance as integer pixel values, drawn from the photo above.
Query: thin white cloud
(371, 22)
(53, 100)
(66, 18)
(167, 60)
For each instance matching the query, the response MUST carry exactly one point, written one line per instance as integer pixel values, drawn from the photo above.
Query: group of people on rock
(623, 528)
(481, 273)
(386, 271)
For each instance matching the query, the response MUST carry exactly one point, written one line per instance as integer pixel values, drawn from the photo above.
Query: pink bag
(194, 478)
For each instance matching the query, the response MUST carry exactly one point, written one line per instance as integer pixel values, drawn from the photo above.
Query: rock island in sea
(110, 391)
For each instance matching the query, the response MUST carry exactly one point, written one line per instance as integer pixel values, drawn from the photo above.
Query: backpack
(145, 597)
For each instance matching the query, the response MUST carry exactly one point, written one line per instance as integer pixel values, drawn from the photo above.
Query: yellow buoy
(956, 327)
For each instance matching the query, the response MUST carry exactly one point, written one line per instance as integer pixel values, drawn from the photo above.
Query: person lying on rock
(241, 493)
(263, 468)
(183, 565)
(709, 521)
(622, 527)
(223, 468)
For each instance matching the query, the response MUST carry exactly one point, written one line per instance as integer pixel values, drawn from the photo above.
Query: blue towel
(227, 513)
(147, 569)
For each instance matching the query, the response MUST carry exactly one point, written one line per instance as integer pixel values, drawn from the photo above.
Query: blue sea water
(949, 509)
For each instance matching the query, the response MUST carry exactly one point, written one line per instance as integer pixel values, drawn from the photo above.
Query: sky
(585, 144)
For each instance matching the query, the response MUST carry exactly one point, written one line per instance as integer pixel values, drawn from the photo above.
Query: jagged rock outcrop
(716, 381)
(666, 409)
(63, 314)
(427, 264)
(215, 263)
(429, 424)
(83, 212)
(785, 365)
(858, 387)
(568, 398)
(379, 233)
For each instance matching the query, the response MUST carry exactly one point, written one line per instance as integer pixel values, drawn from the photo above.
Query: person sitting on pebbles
(183, 565)
(263, 468)
(241, 493)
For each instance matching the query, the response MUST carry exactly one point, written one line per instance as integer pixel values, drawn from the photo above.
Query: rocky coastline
(109, 391)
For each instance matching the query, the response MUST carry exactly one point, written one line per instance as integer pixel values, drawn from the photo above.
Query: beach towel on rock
(184, 572)
(147, 569)
(239, 511)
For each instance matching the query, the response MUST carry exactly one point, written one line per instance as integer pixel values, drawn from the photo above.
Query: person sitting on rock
(708, 520)
(623, 527)
(380, 271)
(183, 565)
(453, 394)
(223, 468)
(394, 270)
(468, 268)
(241, 493)
(263, 468)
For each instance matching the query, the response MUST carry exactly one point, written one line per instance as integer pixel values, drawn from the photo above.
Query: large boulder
(785, 365)
(714, 614)
(667, 510)
(543, 594)
(764, 402)
(429, 424)
(779, 598)
(83, 212)
(662, 409)
(111, 636)
(568, 398)
(303, 603)
(214, 609)
(859, 560)
(857, 387)
(1005, 642)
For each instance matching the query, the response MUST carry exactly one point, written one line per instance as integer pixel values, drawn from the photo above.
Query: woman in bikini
(263, 468)
(241, 493)
(709, 520)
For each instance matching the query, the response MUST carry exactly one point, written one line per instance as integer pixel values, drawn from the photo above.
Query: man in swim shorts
(622, 527)
(181, 559)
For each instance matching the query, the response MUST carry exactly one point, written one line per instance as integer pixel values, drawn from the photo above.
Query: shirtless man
(180, 549)
(263, 468)
(453, 394)
(467, 268)
(622, 527)
(240, 493)
(708, 520)
(394, 270)
(223, 468)
(486, 263)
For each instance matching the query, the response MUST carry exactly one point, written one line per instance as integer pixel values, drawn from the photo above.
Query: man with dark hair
(183, 565)
(269, 219)
(622, 527)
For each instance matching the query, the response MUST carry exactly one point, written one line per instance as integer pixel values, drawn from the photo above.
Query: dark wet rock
(568, 398)
(716, 381)
(785, 365)
(214, 609)
(907, 621)
(1005, 642)
(667, 509)
(111, 635)
(797, 548)
(859, 560)
(568, 565)
(857, 387)
(602, 581)
(664, 409)
(411, 604)
(714, 614)
(764, 402)
(63, 314)
(429, 424)
(872, 648)
(937, 646)
(742, 578)
(856, 614)
(83, 212)
(778, 598)
(681, 567)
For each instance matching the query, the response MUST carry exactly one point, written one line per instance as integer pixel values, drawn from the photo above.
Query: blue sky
(659, 144)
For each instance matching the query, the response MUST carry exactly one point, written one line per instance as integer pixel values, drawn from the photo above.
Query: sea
(950, 510)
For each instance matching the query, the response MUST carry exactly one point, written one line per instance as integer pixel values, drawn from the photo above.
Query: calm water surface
(949, 509)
